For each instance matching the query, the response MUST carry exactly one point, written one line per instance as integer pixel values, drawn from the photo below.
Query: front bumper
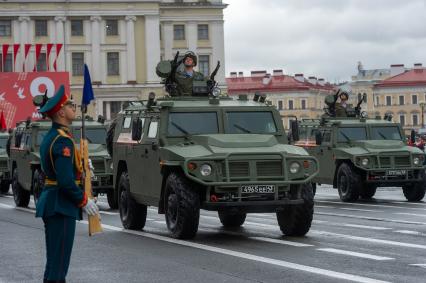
(102, 183)
(251, 206)
(381, 178)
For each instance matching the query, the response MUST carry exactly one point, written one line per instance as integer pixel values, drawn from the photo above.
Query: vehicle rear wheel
(37, 184)
(132, 214)
(296, 220)
(348, 183)
(112, 199)
(20, 196)
(182, 203)
(368, 191)
(232, 219)
(4, 186)
(415, 192)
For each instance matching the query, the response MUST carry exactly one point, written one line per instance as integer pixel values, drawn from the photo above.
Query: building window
(77, 63)
(77, 28)
(113, 63)
(280, 105)
(203, 32)
(290, 104)
(179, 32)
(5, 28)
(303, 105)
(7, 66)
(414, 99)
(401, 100)
(204, 64)
(415, 119)
(40, 27)
(377, 101)
(115, 108)
(41, 63)
(388, 100)
(111, 27)
(402, 119)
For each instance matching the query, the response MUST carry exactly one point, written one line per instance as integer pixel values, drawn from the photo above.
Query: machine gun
(170, 81)
(211, 83)
(330, 101)
(40, 101)
(358, 106)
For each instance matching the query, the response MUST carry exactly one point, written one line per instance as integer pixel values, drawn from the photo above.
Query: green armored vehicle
(183, 154)
(4, 169)
(24, 162)
(357, 155)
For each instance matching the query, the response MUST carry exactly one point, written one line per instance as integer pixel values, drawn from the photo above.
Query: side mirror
(294, 125)
(318, 138)
(137, 129)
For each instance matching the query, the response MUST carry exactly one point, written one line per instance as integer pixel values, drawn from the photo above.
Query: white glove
(91, 208)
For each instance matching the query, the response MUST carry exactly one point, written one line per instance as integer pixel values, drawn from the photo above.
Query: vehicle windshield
(307, 133)
(351, 134)
(93, 135)
(192, 123)
(245, 122)
(40, 136)
(3, 142)
(385, 133)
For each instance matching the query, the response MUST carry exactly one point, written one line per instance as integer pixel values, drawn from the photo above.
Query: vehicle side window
(23, 140)
(18, 137)
(28, 141)
(127, 122)
(326, 136)
(153, 129)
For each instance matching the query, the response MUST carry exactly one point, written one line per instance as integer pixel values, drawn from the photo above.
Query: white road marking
(4, 196)
(249, 223)
(371, 205)
(324, 206)
(150, 219)
(319, 221)
(359, 209)
(371, 240)
(355, 254)
(423, 265)
(247, 256)
(366, 227)
(411, 214)
(281, 242)
(408, 232)
(108, 212)
(160, 221)
(371, 218)
(410, 203)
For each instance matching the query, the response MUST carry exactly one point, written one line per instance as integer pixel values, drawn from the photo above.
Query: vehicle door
(24, 160)
(324, 154)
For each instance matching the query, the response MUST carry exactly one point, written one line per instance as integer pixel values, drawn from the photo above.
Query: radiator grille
(401, 161)
(385, 162)
(239, 169)
(269, 168)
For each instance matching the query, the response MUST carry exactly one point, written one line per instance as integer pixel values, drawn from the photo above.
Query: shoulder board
(63, 133)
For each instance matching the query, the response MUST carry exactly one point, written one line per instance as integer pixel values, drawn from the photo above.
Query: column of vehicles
(22, 162)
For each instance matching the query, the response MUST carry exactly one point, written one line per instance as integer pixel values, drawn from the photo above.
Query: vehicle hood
(379, 146)
(220, 144)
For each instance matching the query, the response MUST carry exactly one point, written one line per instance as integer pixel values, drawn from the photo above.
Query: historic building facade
(120, 41)
(292, 95)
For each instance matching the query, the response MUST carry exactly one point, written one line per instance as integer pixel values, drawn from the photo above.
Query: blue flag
(87, 89)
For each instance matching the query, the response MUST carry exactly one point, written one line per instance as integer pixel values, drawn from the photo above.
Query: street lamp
(422, 105)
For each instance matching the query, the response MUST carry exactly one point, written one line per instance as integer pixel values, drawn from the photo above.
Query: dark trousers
(59, 230)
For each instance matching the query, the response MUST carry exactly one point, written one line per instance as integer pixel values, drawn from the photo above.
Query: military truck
(183, 154)
(357, 155)
(24, 162)
(4, 169)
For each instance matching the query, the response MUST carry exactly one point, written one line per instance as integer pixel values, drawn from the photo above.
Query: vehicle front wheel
(37, 184)
(4, 186)
(368, 191)
(132, 214)
(415, 192)
(20, 196)
(182, 203)
(314, 188)
(112, 199)
(232, 219)
(349, 183)
(296, 220)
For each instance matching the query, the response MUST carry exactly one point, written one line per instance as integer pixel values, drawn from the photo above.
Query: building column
(96, 49)
(60, 38)
(108, 110)
(192, 36)
(24, 38)
(131, 55)
(218, 54)
(152, 40)
(168, 40)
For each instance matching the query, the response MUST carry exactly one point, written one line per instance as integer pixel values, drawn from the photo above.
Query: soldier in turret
(341, 107)
(187, 75)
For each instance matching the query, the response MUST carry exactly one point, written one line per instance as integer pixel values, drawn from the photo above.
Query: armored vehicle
(4, 169)
(183, 154)
(357, 155)
(24, 162)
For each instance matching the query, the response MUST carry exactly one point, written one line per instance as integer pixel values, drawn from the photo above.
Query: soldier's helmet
(345, 94)
(191, 55)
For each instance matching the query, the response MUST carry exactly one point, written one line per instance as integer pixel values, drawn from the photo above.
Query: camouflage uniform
(185, 82)
(340, 110)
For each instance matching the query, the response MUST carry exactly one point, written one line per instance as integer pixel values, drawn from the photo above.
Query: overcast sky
(323, 38)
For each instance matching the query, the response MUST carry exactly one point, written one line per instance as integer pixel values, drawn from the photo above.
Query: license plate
(258, 189)
(396, 172)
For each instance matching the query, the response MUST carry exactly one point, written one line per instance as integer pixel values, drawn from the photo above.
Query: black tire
(21, 196)
(132, 214)
(232, 219)
(367, 191)
(37, 184)
(349, 183)
(415, 192)
(4, 186)
(182, 203)
(112, 199)
(314, 188)
(296, 220)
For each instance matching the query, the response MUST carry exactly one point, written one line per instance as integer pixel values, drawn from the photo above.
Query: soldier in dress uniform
(62, 197)
(187, 74)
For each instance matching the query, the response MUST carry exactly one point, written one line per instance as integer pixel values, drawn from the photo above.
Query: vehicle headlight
(365, 161)
(216, 92)
(206, 170)
(294, 167)
(416, 161)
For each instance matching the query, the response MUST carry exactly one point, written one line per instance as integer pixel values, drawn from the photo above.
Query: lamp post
(422, 106)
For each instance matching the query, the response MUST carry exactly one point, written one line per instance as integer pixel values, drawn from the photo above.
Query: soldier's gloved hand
(91, 208)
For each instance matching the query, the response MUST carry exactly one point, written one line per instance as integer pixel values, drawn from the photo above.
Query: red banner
(58, 50)
(18, 89)
(48, 50)
(5, 48)
(38, 47)
(15, 53)
(26, 51)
